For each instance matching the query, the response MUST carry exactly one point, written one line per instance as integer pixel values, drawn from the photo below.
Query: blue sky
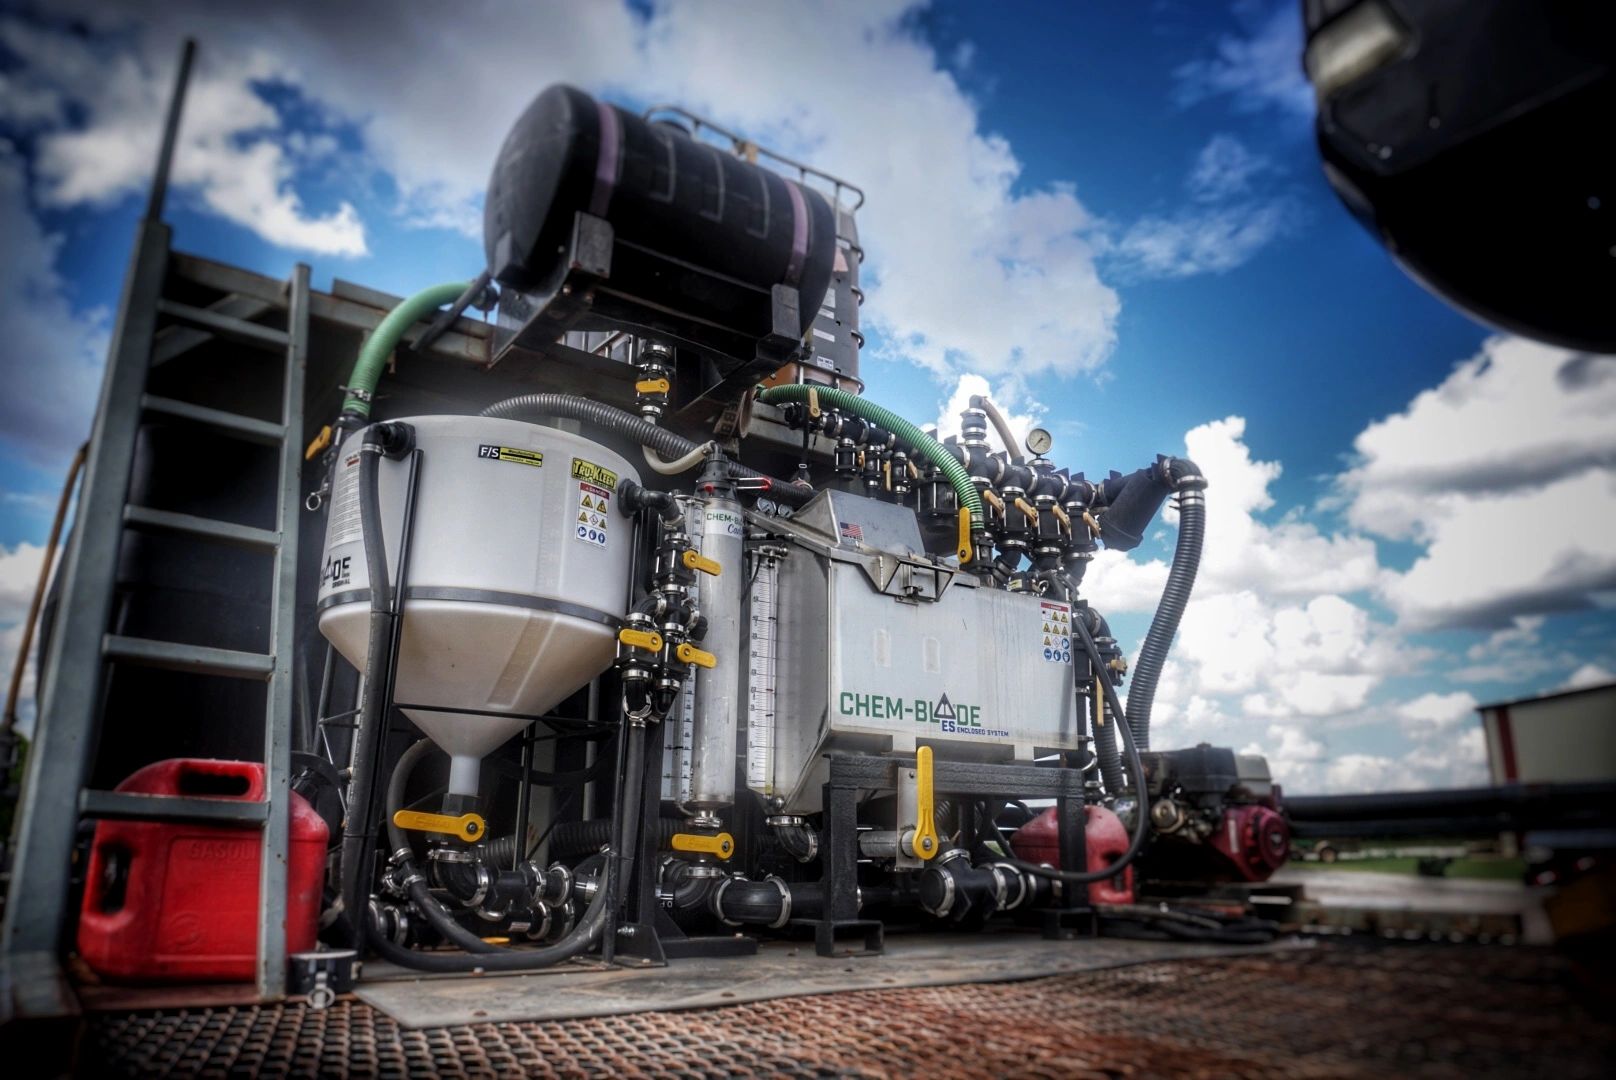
(1110, 214)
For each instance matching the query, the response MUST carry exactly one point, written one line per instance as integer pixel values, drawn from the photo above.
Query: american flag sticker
(852, 532)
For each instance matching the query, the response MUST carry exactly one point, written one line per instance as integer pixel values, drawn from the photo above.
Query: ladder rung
(243, 427)
(130, 806)
(227, 532)
(200, 659)
(223, 325)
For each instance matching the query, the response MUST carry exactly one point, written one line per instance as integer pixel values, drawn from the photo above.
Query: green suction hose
(384, 339)
(930, 448)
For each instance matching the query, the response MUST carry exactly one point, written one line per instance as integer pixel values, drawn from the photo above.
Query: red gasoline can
(179, 903)
(1105, 838)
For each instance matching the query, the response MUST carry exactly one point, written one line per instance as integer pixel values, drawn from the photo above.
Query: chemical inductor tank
(518, 576)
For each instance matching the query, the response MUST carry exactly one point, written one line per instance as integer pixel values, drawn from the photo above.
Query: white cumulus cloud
(1516, 443)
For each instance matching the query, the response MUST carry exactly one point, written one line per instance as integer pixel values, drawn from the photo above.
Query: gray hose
(1190, 485)
(647, 434)
(1002, 426)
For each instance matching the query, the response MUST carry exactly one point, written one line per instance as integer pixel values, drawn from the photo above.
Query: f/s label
(511, 453)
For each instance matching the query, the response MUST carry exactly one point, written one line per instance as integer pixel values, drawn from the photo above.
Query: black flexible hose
(1191, 487)
(1106, 753)
(642, 431)
(1141, 819)
(500, 959)
(377, 441)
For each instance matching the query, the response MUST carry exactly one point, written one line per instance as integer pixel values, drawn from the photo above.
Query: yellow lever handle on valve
(695, 560)
(649, 640)
(721, 846)
(925, 840)
(687, 653)
(966, 551)
(468, 827)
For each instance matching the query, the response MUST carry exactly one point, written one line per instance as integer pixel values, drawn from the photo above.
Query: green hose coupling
(367, 370)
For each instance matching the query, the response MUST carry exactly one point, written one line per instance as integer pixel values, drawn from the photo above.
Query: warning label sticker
(1055, 631)
(592, 515)
(344, 514)
(511, 453)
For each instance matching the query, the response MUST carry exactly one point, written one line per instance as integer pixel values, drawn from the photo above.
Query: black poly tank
(667, 196)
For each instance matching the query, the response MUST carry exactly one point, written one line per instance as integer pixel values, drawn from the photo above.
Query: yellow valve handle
(649, 640)
(468, 827)
(1094, 526)
(652, 386)
(318, 444)
(687, 653)
(813, 403)
(925, 839)
(1026, 508)
(1062, 517)
(965, 550)
(721, 846)
(993, 500)
(695, 560)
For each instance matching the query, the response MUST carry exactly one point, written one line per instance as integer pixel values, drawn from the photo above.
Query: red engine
(1254, 839)
(1215, 816)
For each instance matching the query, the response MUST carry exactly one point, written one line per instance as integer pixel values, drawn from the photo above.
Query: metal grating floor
(1343, 1010)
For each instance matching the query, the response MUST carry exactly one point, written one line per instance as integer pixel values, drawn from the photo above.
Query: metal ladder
(71, 683)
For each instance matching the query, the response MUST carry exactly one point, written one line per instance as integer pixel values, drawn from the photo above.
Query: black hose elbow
(393, 437)
(1131, 503)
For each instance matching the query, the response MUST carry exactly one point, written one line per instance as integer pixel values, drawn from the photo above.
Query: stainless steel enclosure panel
(979, 674)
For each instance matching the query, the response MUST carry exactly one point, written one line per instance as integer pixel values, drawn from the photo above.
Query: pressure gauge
(1039, 441)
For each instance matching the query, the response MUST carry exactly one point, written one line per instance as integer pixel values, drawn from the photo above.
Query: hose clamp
(358, 393)
(718, 900)
(541, 924)
(785, 902)
(946, 904)
(484, 880)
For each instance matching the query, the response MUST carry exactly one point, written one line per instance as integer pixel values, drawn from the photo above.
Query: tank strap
(799, 235)
(611, 141)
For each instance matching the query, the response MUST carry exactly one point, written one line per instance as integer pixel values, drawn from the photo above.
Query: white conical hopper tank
(518, 575)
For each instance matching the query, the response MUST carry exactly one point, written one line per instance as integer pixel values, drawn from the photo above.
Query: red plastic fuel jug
(1105, 839)
(179, 902)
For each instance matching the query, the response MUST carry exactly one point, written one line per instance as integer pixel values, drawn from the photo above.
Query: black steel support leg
(1074, 917)
(839, 853)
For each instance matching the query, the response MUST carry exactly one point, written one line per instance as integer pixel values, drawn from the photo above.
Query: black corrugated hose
(642, 431)
(1190, 485)
(1185, 478)
(1106, 752)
